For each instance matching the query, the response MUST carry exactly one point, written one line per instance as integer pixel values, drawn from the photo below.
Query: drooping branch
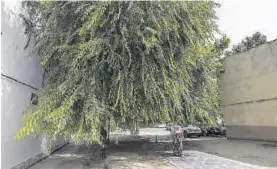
(127, 61)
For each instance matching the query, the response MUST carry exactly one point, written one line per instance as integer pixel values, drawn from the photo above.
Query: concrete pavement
(70, 157)
(199, 160)
(127, 155)
(137, 153)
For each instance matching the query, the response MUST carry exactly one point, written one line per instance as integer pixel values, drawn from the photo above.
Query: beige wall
(255, 114)
(249, 92)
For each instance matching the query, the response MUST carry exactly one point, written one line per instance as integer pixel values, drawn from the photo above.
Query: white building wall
(15, 97)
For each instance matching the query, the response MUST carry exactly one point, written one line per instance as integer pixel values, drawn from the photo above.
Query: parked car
(191, 130)
(216, 131)
(213, 131)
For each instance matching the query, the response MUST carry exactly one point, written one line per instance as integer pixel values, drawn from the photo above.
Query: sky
(241, 18)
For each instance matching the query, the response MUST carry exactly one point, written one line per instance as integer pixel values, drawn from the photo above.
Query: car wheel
(198, 135)
(185, 134)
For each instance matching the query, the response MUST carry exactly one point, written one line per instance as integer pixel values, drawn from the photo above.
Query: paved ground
(136, 153)
(199, 160)
(252, 152)
(70, 157)
(135, 156)
(127, 155)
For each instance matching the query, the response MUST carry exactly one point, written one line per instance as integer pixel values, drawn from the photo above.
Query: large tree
(127, 62)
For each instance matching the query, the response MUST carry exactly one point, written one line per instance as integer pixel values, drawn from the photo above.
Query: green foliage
(247, 43)
(125, 61)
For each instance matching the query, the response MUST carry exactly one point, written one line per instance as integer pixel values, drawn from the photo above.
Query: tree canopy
(247, 43)
(123, 61)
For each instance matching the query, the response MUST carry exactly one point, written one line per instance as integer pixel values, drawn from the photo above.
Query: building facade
(21, 76)
(249, 93)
